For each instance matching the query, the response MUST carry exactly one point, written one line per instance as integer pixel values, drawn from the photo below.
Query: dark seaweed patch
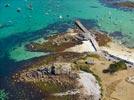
(115, 4)
(117, 34)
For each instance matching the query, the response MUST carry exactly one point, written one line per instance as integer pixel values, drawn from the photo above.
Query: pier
(88, 35)
(112, 52)
(79, 24)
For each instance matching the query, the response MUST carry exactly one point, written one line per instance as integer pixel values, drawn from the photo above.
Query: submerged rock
(18, 9)
(130, 79)
(7, 5)
(123, 4)
(126, 4)
(117, 34)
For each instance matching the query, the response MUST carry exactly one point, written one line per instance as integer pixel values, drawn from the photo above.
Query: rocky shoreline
(59, 68)
(58, 74)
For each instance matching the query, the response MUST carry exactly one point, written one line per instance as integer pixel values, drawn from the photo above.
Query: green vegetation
(56, 84)
(115, 67)
(90, 55)
(3, 95)
(93, 55)
(81, 66)
(84, 68)
(48, 87)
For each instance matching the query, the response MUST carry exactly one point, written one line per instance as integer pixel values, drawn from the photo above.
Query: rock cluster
(130, 79)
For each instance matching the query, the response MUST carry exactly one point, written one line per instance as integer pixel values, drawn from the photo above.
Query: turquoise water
(47, 17)
(18, 28)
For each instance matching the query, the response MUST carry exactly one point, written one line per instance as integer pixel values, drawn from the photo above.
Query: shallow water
(47, 17)
(18, 28)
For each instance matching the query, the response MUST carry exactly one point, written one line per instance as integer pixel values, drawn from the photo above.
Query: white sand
(120, 51)
(86, 46)
(90, 85)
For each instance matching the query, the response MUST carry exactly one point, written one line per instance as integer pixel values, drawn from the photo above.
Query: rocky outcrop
(130, 79)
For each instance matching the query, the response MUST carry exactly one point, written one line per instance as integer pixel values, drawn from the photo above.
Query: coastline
(45, 55)
(68, 58)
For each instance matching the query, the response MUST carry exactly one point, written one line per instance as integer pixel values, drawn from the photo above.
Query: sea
(24, 21)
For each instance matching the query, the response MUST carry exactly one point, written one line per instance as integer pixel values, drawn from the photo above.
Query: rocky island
(75, 70)
(66, 49)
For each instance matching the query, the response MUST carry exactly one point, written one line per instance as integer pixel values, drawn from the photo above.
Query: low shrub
(116, 66)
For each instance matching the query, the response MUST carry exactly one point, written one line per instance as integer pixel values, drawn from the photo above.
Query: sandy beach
(119, 51)
(86, 46)
(115, 86)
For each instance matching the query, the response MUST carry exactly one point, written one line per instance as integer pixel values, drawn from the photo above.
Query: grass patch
(84, 68)
(90, 55)
(81, 66)
(94, 56)
(56, 84)
(48, 87)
